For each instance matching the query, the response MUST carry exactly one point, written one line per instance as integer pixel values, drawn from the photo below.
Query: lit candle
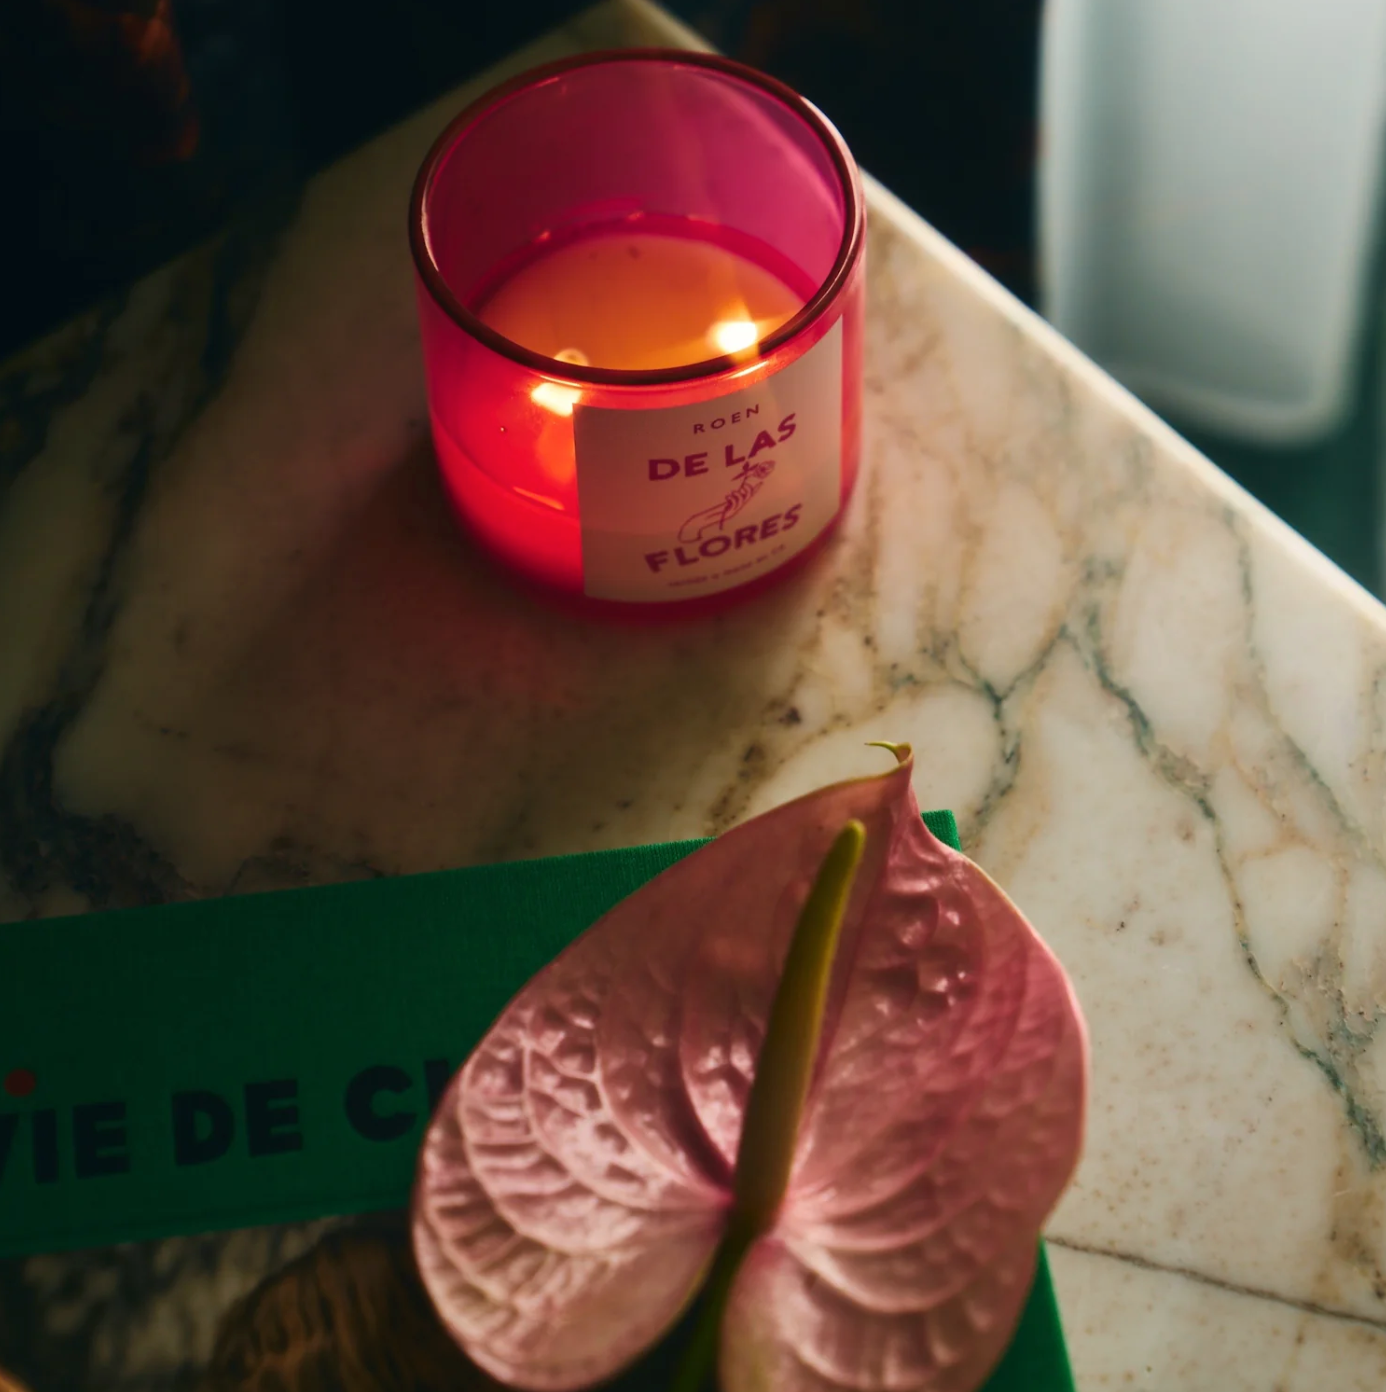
(660, 403)
(632, 299)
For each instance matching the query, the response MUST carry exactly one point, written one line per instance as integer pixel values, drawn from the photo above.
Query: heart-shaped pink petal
(947, 1120)
(786, 1329)
(577, 1177)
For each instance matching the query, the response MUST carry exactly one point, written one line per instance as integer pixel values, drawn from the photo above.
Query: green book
(272, 1059)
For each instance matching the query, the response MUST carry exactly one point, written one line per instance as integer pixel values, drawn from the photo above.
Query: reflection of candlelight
(553, 396)
(632, 299)
(635, 299)
(732, 335)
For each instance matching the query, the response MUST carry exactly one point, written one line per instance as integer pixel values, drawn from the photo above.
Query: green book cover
(270, 1060)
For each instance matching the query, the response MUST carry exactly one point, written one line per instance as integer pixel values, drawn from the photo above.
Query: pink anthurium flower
(823, 1066)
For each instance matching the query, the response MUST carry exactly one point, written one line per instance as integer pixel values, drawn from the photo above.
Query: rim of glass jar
(469, 323)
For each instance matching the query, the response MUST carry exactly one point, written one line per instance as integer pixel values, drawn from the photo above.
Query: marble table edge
(634, 23)
(655, 25)
(908, 223)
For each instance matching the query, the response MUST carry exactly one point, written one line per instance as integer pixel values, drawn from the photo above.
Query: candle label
(682, 501)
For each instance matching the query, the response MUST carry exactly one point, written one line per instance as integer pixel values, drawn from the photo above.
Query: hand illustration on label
(716, 517)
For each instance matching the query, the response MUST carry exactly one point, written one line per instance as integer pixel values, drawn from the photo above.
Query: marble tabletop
(243, 646)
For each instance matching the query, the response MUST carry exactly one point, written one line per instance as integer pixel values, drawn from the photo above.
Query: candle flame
(555, 397)
(733, 335)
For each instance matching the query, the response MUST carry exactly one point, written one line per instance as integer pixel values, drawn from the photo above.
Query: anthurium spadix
(822, 1065)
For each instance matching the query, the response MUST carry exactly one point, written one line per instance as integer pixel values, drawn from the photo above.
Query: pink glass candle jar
(641, 286)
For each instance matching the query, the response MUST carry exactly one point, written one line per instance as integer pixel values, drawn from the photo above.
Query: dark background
(131, 129)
